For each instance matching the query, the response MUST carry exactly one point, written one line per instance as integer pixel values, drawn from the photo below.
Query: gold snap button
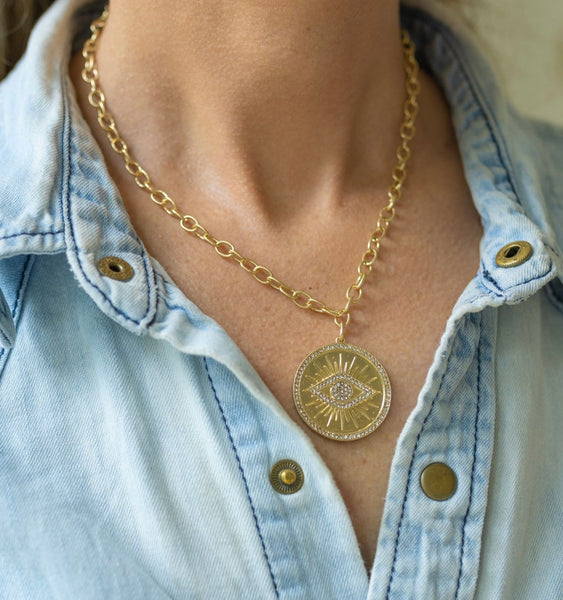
(438, 481)
(287, 477)
(514, 254)
(116, 268)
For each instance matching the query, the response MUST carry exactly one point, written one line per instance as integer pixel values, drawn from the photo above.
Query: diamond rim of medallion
(347, 437)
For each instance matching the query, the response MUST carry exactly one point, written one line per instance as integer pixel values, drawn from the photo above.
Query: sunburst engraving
(342, 392)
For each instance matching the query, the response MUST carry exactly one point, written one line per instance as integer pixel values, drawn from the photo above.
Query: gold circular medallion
(342, 392)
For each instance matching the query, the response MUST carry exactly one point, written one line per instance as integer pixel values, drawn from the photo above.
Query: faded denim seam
(410, 471)
(502, 153)
(16, 310)
(71, 189)
(243, 476)
(22, 233)
(489, 277)
(475, 440)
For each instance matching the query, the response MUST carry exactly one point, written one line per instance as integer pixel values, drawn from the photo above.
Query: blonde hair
(17, 18)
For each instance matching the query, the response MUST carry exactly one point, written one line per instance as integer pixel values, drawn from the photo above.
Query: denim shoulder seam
(16, 309)
(475, 440)
(398, 535)
(264, 551)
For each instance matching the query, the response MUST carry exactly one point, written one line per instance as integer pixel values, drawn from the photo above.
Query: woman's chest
(401, 331)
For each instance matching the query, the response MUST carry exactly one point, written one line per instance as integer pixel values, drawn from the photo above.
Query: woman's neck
(281, 100)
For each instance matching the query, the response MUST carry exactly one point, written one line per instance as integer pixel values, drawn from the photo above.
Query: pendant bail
(341, 321)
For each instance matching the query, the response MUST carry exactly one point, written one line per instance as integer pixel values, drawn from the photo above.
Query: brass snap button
(514, 254)
(438, 481)
(287, 477)
(115, 268)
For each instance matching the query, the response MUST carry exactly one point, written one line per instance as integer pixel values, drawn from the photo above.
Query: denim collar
(56, 195)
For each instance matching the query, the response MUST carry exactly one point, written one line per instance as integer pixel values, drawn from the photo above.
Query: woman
(182, 431)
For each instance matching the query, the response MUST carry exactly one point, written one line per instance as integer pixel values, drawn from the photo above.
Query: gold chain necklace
(340, 391)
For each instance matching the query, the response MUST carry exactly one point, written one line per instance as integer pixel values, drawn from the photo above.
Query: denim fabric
(136, 440)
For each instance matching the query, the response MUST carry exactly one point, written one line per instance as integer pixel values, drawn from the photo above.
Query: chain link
(226, 249)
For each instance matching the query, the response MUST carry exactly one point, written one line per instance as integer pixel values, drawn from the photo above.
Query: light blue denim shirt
(136, 440)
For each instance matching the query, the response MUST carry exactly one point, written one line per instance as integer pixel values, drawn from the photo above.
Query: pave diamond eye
(341, 390)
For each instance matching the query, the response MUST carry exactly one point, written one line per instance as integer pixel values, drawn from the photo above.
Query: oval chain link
(226, 249)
